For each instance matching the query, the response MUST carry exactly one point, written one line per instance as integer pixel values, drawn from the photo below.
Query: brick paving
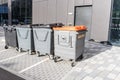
(101, 65)
(100, 62)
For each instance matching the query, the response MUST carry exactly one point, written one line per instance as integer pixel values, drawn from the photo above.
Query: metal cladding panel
(100, 19)
(62, 10)
(43, 12)
(70, 17)
(51, 17)
(88, 2)
(40, 10)
(79, 2)
(35, 8)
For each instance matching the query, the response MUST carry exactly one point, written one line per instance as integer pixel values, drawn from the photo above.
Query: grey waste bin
(25, 38)
(69, 43)
(43, 39)
(10, 36)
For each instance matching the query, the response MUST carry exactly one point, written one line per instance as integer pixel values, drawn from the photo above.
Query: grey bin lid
(47, 25)
(41, 26)
(24, 26)
(10, 28)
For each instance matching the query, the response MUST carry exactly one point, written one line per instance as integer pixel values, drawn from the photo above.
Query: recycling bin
(69, 42)
(25, 38)
(43, 39)
(10, 37)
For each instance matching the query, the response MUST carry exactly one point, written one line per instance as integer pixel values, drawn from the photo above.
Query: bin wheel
(6, 47)
(81, 56)
(73, 64)
(55, 59)
(30, 52)
(50, 56)
(20, 50)
(17, 49)
(38, 53)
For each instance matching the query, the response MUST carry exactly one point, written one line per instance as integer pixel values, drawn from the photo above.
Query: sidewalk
(101, 62)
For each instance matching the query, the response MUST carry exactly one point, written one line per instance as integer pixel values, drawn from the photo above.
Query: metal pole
(1, 12)
(9, 12)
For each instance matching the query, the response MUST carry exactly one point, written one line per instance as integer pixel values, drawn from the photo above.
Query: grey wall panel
(45, 11)
(70, 17)
(100, 19)
(40, 12)
(35, 10)
(62, 11)
(51, 17)
(88, 2)
(79, 2)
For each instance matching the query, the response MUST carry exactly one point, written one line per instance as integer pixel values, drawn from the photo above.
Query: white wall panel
(88, 2)
(51, 17)
(79, 2)
(62, 10)
(100, 19)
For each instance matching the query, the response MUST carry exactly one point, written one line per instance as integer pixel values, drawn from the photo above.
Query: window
(21, 11)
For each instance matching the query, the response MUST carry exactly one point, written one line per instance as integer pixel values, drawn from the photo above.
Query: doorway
(114, 36)
(83, 16)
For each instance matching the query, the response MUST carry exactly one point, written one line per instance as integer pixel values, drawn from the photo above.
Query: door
(114, 34)
(83, 16)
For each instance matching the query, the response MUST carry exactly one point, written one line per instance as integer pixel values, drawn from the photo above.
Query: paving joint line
(2, 51)
(33, 65)
(12, 57)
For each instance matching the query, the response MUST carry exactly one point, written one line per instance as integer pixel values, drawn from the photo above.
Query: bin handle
(69, 42)
(58, 39)
(21, 36)
(39, 39)
(10, 30)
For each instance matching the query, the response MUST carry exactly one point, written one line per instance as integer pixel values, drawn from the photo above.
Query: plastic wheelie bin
(10, 37)
(25, 38)
(69, 42)
(43, 39)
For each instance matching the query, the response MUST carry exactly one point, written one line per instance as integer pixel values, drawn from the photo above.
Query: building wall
(101, 19)
(3, 1)
(52, 11)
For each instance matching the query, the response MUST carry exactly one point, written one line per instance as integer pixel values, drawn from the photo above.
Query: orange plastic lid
(71, 28)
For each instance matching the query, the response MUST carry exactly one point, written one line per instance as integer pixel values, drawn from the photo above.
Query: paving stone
(103, 74)
(50, 70)
(117, 68)
(88, 78)
(100, 62)
(111, 76)
(88, 71)
(118, 77)
(95, 73)
(98, 78)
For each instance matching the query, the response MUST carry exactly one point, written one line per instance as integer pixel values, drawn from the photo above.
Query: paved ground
(101, 62)
(103, 65)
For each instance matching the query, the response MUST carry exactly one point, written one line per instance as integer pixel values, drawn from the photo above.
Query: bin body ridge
(43, 38)
(25, 38)
(10, 36)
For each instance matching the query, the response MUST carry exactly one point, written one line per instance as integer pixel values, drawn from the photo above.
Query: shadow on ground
(93, 49)
(1, 32)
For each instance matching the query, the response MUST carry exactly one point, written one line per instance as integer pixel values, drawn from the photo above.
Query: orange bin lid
(71, 28)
